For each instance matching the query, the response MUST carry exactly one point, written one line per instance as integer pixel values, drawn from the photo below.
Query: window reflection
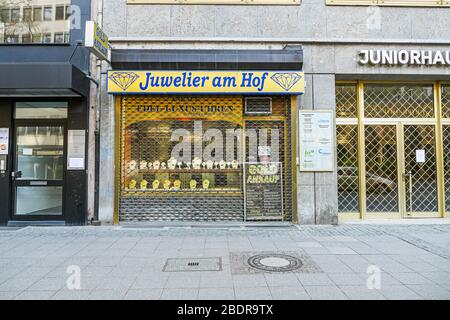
(39, 201)
(34, 21)
(40, 152)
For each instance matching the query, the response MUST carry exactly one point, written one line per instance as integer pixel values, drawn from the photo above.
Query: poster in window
(263, 191)
(76, 149)
(4, 140)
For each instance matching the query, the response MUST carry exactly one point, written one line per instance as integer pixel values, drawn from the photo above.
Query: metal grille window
(446, 149)
(181, 145)
(398, 101)
(348, 176)
(381, 168)
(270, 140)
(153, 163)
(421, 194)
(346, 105)
(258, 105)
(446, 101)
(182, 156)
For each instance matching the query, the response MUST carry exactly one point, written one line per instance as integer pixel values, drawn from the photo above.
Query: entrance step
(35, 223)
(212, 225)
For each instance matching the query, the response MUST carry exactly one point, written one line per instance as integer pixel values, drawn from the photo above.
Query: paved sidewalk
(127, 263)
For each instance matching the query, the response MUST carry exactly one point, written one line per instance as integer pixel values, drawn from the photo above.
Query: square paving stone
(399, 292)
(309, 244)
(35, 295)
(362, 293)
(52, 284)
(107, 294)
(342, 279)
(282, 280)
(249, 280)
(8, 295)
(143, 294)
(216, 294)
(252, 293)
(437, 277)
(411, 278)
(17, 284)
(65, 294)
(179, 294)
(431, 292)
(341, 250)
(183, 281)
(115, 283)
(325, 293)
(314, 279)
(149, 282)
(289, 293)
(215, 280)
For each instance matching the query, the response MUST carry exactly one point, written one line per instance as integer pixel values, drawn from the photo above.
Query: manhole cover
(252, 262)
(274, 262)
(193, 264)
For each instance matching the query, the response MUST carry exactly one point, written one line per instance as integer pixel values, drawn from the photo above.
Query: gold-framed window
(391, 3)
(218, 2)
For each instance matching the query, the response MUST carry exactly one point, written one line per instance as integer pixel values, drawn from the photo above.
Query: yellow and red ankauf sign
(206, 82)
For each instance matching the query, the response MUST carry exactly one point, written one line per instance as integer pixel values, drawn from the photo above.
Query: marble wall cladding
(312, 19)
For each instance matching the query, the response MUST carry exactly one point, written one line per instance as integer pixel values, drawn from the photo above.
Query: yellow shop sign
(96, 40)
(206, 82)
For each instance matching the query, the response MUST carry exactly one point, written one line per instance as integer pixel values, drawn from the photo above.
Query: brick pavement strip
(412, 262)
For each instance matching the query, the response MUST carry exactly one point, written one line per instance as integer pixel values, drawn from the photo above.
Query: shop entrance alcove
(184, 158)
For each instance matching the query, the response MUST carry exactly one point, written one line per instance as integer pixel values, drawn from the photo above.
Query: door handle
(407, 175)
(16, 174)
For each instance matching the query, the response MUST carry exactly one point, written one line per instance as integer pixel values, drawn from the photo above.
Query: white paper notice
(76, 163)
(27, 152)
(76, 149)
(420, 156)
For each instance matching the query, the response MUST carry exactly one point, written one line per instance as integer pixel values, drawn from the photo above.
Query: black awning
(42, 79)
(137, 59)
(38, 93)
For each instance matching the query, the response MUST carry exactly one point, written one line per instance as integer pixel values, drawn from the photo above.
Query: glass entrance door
(400, 171)
(38, 171)
(381, 171)
(420, 171)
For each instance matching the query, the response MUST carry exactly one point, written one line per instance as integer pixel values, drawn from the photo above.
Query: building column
(107, 149)
(317, 191)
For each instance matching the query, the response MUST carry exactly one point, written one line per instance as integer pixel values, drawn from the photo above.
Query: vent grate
(193, 264)
(258, 105)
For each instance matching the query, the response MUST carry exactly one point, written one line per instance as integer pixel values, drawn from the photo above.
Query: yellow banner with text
(206, 82)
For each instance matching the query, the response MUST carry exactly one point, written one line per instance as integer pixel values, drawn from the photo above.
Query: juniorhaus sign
(206, 82)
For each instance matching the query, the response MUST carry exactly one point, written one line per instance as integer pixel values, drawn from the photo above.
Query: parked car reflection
(348, 181)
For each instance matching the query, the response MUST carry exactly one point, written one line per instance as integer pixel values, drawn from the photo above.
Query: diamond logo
(286, 80)
(123, 79)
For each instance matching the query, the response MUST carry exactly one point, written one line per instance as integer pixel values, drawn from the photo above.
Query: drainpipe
(99, 7)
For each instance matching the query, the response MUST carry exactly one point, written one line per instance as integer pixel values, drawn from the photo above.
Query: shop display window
(188, 156)
(182, 145)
